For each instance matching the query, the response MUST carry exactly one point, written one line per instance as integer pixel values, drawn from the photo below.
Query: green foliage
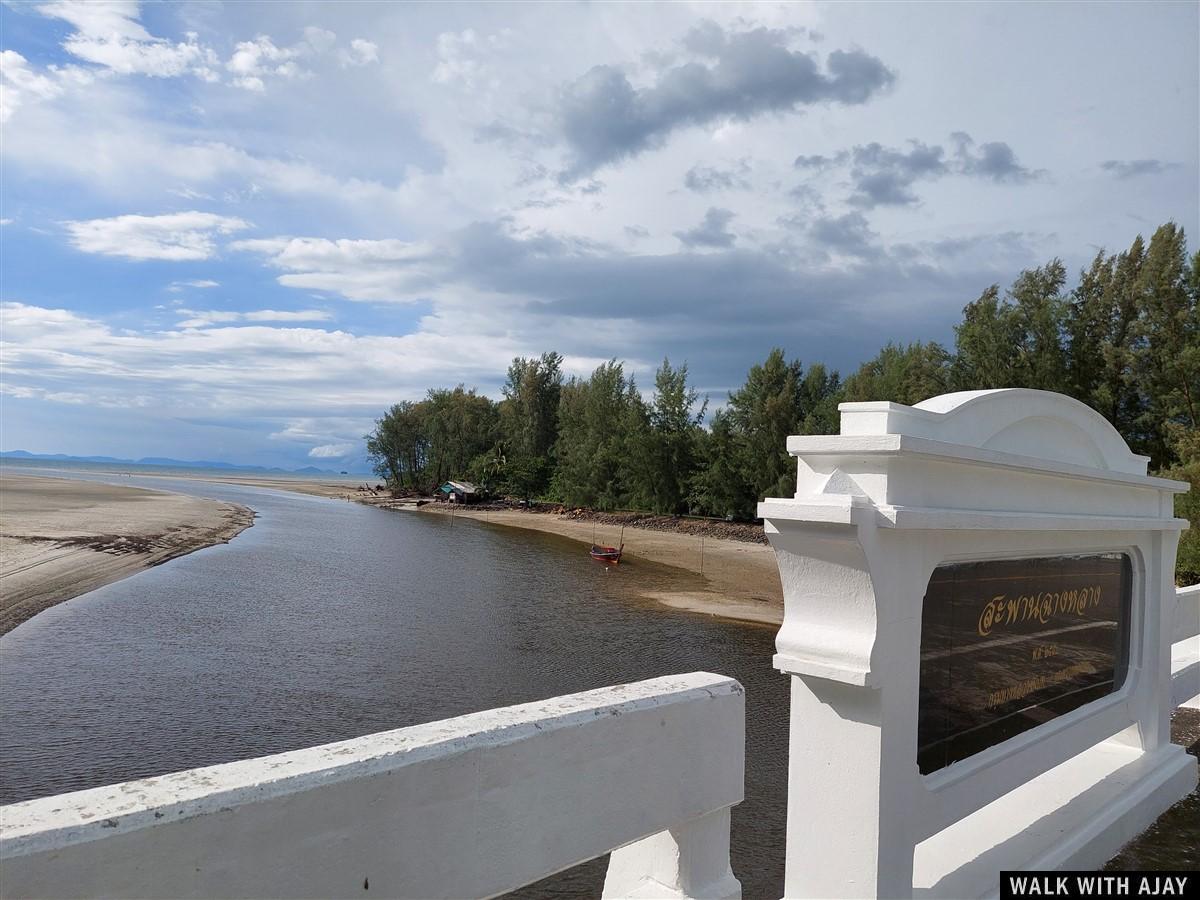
(718, 487)
(671, 444)
(1017, 341)
(416, 446)
(1167, 364)
(599, 421)
(399, 447)
(529, 419)
(1187, 506)
(460, 425)
(744, 457)
(905, 375)
(763, 412)
(525, 476)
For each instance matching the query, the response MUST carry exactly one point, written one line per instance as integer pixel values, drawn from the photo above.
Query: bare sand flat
(60, 538)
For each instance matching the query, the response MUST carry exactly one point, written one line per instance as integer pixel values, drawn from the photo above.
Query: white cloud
(6, 221)
(20, 83)
(174, 236)
(254, 61)
(259, 58)
(251, 369)
(390, 270)
(333, 451)
(117, 19)
(360, 53)
(108, 34)
(203, 318)
(176, 287)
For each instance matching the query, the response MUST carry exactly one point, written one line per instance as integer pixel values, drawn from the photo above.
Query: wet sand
(60, 538)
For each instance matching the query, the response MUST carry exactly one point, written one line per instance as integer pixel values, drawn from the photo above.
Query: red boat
(606, 554)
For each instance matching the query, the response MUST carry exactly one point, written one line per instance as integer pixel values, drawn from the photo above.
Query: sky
(240, 231)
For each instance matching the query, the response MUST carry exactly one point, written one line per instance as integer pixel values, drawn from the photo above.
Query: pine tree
(1167, 359)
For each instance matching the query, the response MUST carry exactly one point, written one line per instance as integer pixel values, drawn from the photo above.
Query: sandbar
(61, 537)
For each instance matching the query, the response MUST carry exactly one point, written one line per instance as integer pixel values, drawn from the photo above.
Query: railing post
(690, 860)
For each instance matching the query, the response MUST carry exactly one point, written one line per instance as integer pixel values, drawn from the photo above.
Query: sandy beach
(60, 538)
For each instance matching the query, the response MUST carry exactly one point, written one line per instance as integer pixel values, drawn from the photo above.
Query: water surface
(329, 620)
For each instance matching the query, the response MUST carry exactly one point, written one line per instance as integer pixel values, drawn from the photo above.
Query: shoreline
(62, 537)
(741, 578)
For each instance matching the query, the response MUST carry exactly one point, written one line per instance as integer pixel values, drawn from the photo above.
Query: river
(329, 620)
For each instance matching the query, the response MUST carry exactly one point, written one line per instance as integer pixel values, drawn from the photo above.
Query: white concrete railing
(1185, 651)
(467, 807)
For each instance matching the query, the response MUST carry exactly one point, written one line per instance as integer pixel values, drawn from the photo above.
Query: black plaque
(1007, 645)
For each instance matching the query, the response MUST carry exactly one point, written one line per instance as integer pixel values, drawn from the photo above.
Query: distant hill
(166, 462)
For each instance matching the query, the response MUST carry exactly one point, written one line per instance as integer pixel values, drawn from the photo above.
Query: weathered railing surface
(467, 807)
(1185, 652)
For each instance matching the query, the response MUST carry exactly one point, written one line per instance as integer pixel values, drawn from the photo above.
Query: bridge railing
(467, 807)
(1185, 651)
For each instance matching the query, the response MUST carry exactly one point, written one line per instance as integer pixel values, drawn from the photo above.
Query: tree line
(1124, 339)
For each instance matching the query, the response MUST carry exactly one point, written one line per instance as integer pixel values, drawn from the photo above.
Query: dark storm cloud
(724, 309)
(849, 235)
(884, 177)
(604, 118)
(712, 232)
(1131, 168)
(994, 160)
(703, 179)
(820, 163)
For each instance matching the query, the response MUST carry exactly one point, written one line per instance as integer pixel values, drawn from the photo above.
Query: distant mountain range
(163, 461)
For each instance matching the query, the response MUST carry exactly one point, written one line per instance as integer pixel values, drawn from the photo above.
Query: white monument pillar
(922, 730)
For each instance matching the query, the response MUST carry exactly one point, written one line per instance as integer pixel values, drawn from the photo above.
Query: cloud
(884, 176)
(1132, 168)
(360, 53)
(254, 60)
(704, 179)
(250, 369)
(739, 75)
(205, 318)
(848, 235)
(176, 287)
(390, 270)
(712, 232)
(819, 162)
(21, 84)
(334, 451)
(174, 236)
(108, 33)
(994, 160)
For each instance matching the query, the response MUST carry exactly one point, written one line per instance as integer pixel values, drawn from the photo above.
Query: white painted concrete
(467, 807)
(973, 476)
(1185, 653)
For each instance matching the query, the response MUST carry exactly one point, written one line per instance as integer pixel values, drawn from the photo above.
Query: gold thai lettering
(1027, 686)
(1044, 651)
(1041, 607)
